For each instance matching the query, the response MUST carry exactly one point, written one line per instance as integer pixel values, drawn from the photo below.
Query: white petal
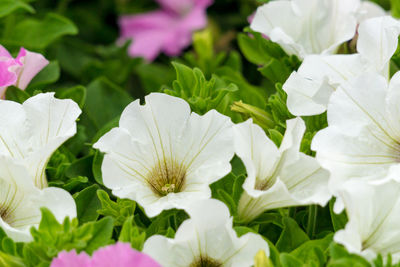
(309, 89)
(161, 136)
(258, 153)
(305, 27)
(21, 201)
(374, 213)
(369, 10)
(377, 40)
(207, 146)
(208, 233)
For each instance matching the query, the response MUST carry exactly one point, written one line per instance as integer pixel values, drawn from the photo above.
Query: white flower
(21, 200)
(277, 177)
(163, 156)
(362, 140)
(206, 239)
(304, 27)
(310, 88)
(374, 214)
(32, 131)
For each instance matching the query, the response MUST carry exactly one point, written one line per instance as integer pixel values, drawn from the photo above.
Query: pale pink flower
(167, 30)
(19, 71)
(117, 255)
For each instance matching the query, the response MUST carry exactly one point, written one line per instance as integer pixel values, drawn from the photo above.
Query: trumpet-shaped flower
(362, 140)
(117, 255)
(277, 177)
(374, 214)
(163, 156)
(206, 239)
(305, 27)
(32, 131)
(19, 71)
(21, 200)
(310, 88)
(167, 30)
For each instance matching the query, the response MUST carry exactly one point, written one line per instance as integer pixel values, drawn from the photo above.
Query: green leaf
(288, 260)
(9, 6)
(102, 232)
(313, 251)
(202, 94)
(48, 75)
(76, 93)
(292, 236)
(38, 34)
(338, 220)
(10, 261)
(104, 102)
(87, 204)
(96, 168)
(119, 210)
(132, 234)
(15, 94)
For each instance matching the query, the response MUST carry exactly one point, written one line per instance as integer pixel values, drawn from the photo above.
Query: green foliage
(26, 33)
(202, 95)
(51, 237)
(9, 6)
(119, 210)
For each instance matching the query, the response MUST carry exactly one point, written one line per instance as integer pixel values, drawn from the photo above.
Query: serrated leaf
(102, 232)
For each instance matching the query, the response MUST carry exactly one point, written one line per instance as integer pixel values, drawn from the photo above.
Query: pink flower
(118, 255)
(167, 30)
(19, 71)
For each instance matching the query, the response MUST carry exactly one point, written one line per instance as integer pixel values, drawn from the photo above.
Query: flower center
(205, 261)
(264, 184)
(166, 177)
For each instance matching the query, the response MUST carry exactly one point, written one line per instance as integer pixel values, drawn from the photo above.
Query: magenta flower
(19, 71)
(167, 30)
(118, 255)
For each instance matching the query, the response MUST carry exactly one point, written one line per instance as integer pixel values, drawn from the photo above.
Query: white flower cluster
(29, 134)
(361, 145)
(163, 156)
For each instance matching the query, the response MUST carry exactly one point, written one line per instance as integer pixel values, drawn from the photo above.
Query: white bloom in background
(32, 131)
(374, 214)
(310, 88)
(362, 140)
(21, 200)
(277, 177)
(163, 156)
(206, 239)
(304, 27)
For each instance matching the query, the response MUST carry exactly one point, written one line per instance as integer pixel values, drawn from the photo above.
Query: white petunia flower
(21, 200)
(304, 27)
(32, 131)
(310, 88)
(277, 177)
(163, 156)
(374, 215)
(362, 140)
(206, 239)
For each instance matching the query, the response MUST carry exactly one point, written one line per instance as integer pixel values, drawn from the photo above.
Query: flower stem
(312, 220)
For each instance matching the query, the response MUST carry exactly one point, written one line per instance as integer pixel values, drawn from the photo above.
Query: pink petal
(7, 73)
(148, 31)
(177, 6)
(32, 64)
(121, 255)
(4, 54)
(69, 259)
(181, 37)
